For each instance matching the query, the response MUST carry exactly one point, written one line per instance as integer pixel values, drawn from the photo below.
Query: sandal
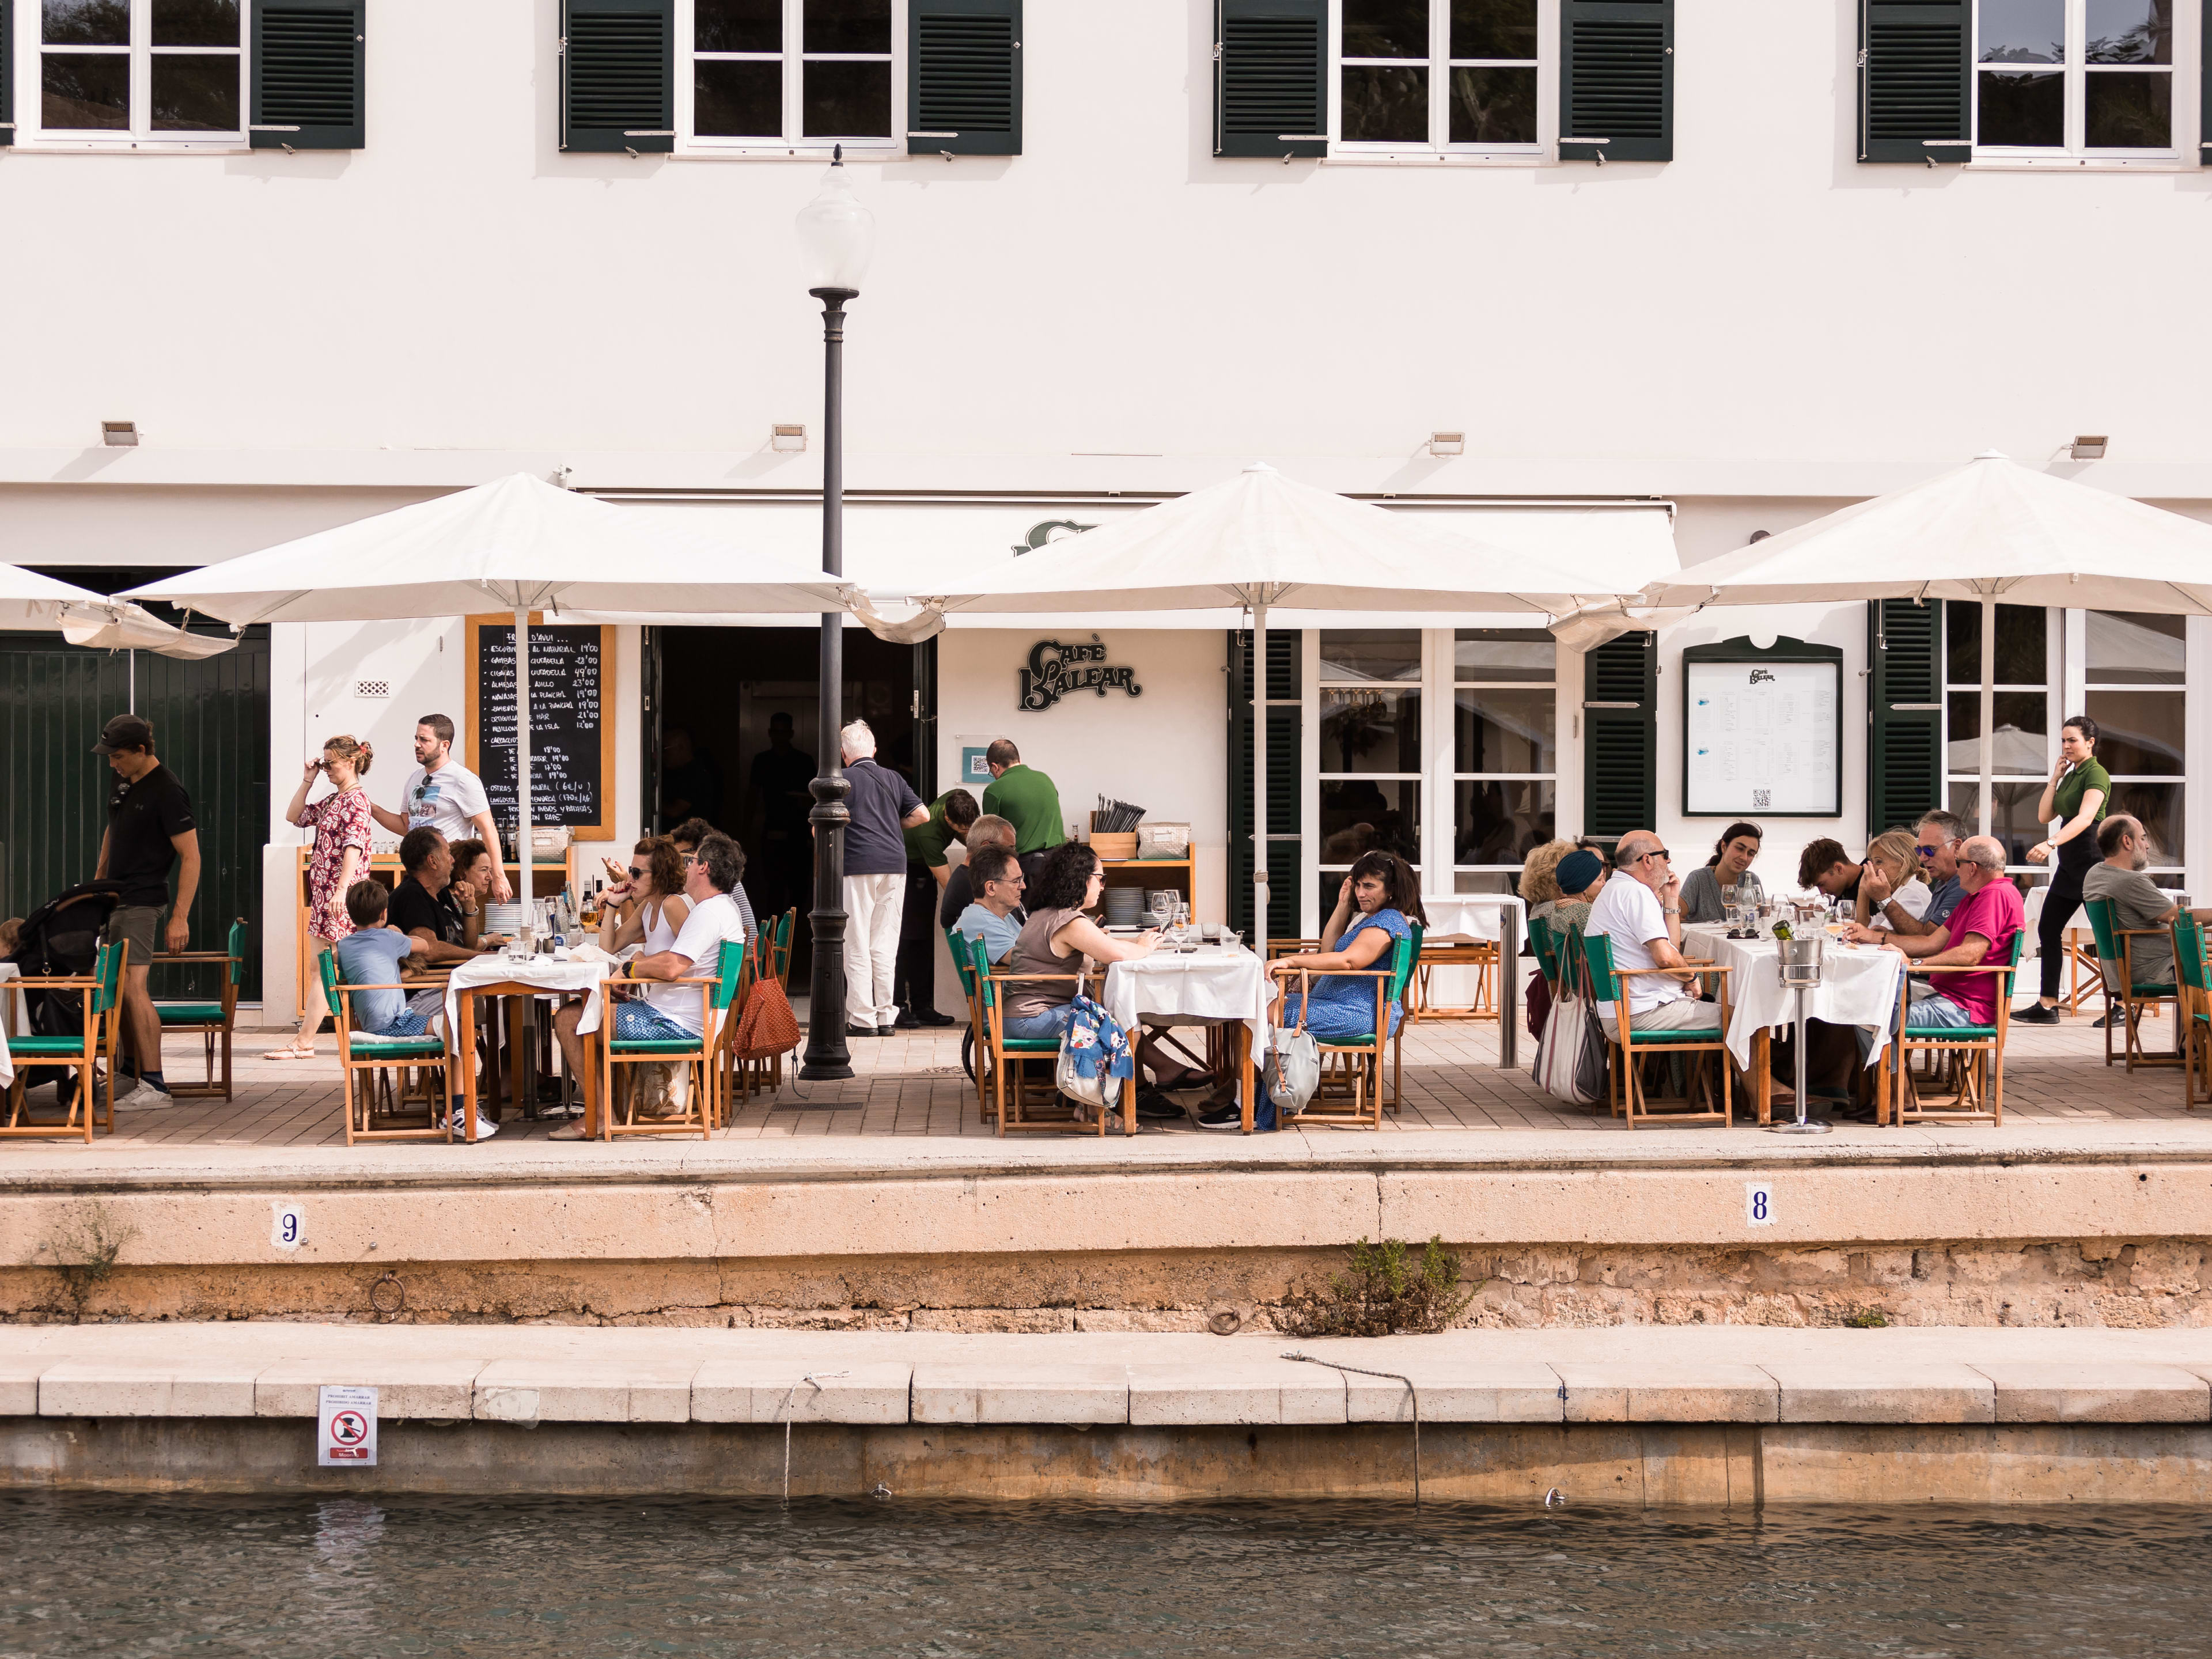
(291, 1051)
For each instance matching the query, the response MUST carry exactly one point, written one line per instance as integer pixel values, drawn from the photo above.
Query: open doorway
(734, 731)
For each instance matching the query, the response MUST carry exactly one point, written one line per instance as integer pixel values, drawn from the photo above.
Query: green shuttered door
(1904, 703)
(307, 89)
(618, 76)
(1285, 784)
(1617, 80)
(1621, 737)
(1270, 77)
(7, 71)
(1915, 81)
(965, 76)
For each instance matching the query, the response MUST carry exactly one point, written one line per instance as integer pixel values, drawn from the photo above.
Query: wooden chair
(1012, 1056)
(1351, 1090)
(388, 1078)
(1403, 989)
(211, 1020)
(2126, 997)
(1480, 955)
(700, 1053)
(1545, 944)
(1603, 982)
(970, 963)
(1977, 1053)
(2195, 1008)
(83, 1051)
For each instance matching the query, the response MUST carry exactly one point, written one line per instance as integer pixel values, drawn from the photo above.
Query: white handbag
(1570, 1059)
(1293, 1070)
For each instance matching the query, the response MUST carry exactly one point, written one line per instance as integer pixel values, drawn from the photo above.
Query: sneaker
(1222, 1117)
(2036, 1014)
(907, 1020)
(486, 1128)
(1153, 1107)
(144, 1097)
(931, 1017)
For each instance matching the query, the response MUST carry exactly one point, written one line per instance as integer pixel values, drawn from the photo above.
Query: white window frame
(2053, 690)
(1310, 869)
(29, 62)
(2075, 152)
(794, 58)
(2078, 689)
(1439, 64)
(1444, 652)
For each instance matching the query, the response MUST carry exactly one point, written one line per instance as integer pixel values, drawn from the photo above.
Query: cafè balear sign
(1056, 669)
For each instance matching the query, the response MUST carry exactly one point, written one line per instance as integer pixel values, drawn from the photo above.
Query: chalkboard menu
(572, 742)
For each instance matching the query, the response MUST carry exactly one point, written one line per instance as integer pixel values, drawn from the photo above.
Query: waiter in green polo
(1026, 799)
(927, 870)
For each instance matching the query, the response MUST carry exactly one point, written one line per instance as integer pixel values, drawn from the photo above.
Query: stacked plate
(1124, 905)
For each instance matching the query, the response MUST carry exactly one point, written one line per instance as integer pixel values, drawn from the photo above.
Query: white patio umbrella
(1258, 540)
(30, 600)
(1991, 530)
(517, 544)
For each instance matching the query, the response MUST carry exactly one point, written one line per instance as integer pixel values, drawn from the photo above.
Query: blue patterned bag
(1094, 1057)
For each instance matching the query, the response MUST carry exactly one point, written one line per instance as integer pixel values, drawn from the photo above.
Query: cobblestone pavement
(912, 1084)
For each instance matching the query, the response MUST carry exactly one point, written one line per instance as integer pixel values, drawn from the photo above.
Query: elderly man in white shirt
(1640, 910)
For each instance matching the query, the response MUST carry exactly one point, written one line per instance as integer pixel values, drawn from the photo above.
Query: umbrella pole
(1987, 758)
(1260, 778)
(528, 891)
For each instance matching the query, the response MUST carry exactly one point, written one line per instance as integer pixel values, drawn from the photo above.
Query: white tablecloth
(1211, 983)
(1858, 986)
(542, 972)
(8, 970)
(1470, 916)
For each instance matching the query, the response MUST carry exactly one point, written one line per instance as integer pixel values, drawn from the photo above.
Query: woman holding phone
(340, 822)
(2078, 790)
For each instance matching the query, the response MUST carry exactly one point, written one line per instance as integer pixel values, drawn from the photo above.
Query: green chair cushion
(1963, 1033)
(1365, 1040)
(654, 1045)
(2151, 990)
(190, 1013)
(1711, 1034)
(47, 1046)
(397, 1047)
(1031, 1045)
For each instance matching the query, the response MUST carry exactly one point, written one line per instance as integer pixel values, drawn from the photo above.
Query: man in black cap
(149, 827)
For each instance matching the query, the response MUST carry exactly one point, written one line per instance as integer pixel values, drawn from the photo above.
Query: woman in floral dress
(340, 822)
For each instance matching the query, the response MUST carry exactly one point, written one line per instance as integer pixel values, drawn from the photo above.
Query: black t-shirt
(142, 816)
(414, 906)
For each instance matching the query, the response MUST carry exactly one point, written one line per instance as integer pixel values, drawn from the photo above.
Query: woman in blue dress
(1377, 906)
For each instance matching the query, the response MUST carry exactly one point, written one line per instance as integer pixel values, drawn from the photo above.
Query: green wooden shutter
(308, 75)
(1285, 783)
(965, 76)
(1270, 77)
(1916, 82)
(2204, 88)
(7, 71)
(619, 76)
(1617, 80)
(1905, 712)
(1621, 737)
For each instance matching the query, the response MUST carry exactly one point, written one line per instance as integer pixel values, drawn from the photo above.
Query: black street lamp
(836, 236)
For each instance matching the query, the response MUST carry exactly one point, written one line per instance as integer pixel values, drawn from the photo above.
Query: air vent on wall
(372, 687)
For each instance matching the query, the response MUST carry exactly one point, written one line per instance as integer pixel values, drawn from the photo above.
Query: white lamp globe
(836, 233)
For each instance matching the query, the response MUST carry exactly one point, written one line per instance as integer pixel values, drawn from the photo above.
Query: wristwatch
(1676, 911)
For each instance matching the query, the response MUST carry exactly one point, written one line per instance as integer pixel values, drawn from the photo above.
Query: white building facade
(1722, 267)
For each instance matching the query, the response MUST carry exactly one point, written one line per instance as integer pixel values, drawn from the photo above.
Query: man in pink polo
(1980, 930)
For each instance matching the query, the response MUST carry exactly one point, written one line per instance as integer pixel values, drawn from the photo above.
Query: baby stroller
(61, 939)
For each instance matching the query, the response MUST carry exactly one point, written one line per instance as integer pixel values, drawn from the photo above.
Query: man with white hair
(883, 807)
(1980, 930)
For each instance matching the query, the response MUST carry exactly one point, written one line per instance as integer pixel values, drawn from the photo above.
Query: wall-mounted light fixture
(119, 434)
(1447, 443)
(2089, 448)
(787, 437)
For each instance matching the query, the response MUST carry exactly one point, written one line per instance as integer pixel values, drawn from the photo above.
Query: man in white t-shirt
(1640, 910)
(670, 1012)
(444, 795)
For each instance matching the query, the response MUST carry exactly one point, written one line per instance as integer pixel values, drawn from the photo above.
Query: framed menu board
(571, 738)
(1763, 730)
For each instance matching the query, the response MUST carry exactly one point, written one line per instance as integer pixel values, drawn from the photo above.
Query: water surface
(307, 1578)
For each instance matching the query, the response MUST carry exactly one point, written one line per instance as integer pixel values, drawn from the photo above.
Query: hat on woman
(1578, 871)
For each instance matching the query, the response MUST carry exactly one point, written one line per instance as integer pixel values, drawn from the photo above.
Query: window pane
(2135, 648)
(1371, 731)
(1385, 28)
(2158, 806)
(2129, 109)
(2130, 32)
(2140, 731)
(85, 23)
(2022, 110)
(1370, 654)
(1495, 730)
(1493, 28)
(738, 26)
(2022, 633)
(2023, 729)
(1386, 106)
(196, 94)
(1471, 881)
(2013, 820)
(1501, 823)
(2022, 31)
(848, 26)
(846, 101)
(1359, 816)
(81, 90)
(195, 22)
(1504, 654)
(737, 100)
(1493, 106)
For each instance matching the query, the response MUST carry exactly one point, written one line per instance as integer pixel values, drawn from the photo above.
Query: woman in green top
(2077, 792)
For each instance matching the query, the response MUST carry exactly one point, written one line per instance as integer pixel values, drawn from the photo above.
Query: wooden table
(531, 978)
(1214, 986)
